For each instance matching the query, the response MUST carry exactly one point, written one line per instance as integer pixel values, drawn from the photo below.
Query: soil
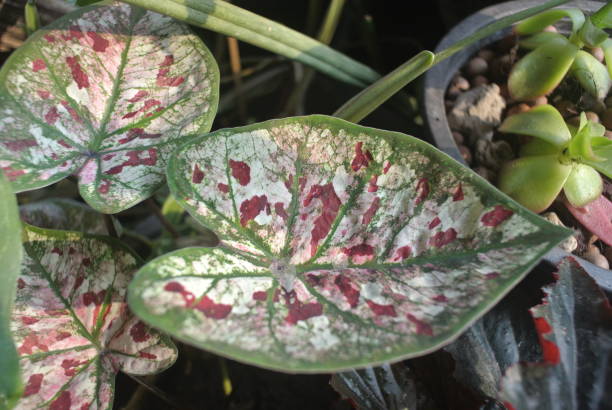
(477, 101)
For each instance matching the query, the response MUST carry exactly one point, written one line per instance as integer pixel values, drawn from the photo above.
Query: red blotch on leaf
(100, 44)
(73, 114)
(361, 159)
(52, 115)
(223, 188)
(69, 366)
(443, 238)
(93, 298)
(250, 208)
(104, 186)
(20, 283)
(62, 335)
(299, 310)
(168, 61)
(140, 133)
(213, 310)
(386, 168)
(422, 328)
(20, 145)
(135, 159)
(139, 96)
(381, 310)
(33, 385)
(64, 144)
(422, 190)
(57, 251)
(50, 38)
(279, 208)
(492, 275)
(498, 215)
(260, 295)
(435, 222)
(549, 349)
(12, 174)
(139, 333)
(458, 195)
(74, 33)
(78, 74)
(197, 175)
(30, 342)
(178, 288)
(38, 65)
(241, 171)
(146, 355)
(402, 253)
(28, 320)
(330, 207)
(440, 298)
(362, 249)
(45, 95)
(369, 214)
(372, 187)
(163, 80)
(508, 405)
(350, 293)
(63, 402)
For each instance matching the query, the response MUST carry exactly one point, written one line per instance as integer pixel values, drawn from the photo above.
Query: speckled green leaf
(543, 121)
(106, 93)
(342, 246)
(63, 213)
(11, 385)
(72, 325)
(591, 74)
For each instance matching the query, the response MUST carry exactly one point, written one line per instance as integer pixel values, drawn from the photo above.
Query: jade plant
(554, 55)
(341, 246)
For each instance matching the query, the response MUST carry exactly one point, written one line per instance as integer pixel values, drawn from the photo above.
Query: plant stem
(31, 17)
(358, 107)
(167, 225)
(171, 401)
(234, 53)
(251, 28)
(110, 226)
(227, 382)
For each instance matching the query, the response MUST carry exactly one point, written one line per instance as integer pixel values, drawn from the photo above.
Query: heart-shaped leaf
(106, 92)
(63, 213)
(10, 256)
(72, 326)
(574, 325)
(342, 246)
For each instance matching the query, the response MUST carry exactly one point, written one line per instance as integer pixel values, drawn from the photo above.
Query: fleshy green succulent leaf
(603, 17)
(591, 74)
(543, 121)
(539, 147)
(335, 240)
(580, 147)
(73, 328)
(63, 213)
(591, 35)
(11, 385)
(595, 216)
(106, 92)
(536, 40)
(602, 148)
(540, 21)
(583, 185)
(542, 69)
(534, 181)
(607, 48)
(574, 325)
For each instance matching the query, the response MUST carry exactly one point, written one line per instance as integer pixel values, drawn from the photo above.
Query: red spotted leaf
(574, 327)
(71, 323)
(104, 93)
(316, 270)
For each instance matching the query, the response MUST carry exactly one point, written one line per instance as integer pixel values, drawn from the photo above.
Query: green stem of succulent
(31, 17)
(358, 107)
(225, 18)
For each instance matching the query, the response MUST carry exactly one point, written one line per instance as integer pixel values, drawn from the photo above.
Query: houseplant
(437, 80)
(312, 288)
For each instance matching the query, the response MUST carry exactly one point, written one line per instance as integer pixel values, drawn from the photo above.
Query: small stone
(477, 66)
(493, 154)
(594, 256)
(566, 108)
(486, 54)
(568, 245)
(485, 173)
(550, 29)
(458, 137)
(452, 92)
(541, 100)
(598, 53)
(466, 154)
(591, 116)
(517, 109)
(479, 80)
(461, 83)
(478, 111)
(606, 118)
(608, 134)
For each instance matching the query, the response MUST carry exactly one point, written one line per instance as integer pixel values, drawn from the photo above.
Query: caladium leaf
(106, 92)
(596, 216)
(342, 246)
(574, 325)
(71, 322)
(543, 121)
(542, 69)
(63, 213)
(11, 385)
(591, 74)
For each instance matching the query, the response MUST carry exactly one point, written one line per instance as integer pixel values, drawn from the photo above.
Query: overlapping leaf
(72, 326)
(342, 246)
(10, 256)
(574, 325)
(106, 92)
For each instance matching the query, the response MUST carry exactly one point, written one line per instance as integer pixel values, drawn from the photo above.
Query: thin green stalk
(251, 28)
(31, 17)
(358, 107)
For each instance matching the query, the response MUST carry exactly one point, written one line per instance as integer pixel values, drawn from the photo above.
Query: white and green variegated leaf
(72, 325)
(106, 93)
(63, 213)
(342, 246)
